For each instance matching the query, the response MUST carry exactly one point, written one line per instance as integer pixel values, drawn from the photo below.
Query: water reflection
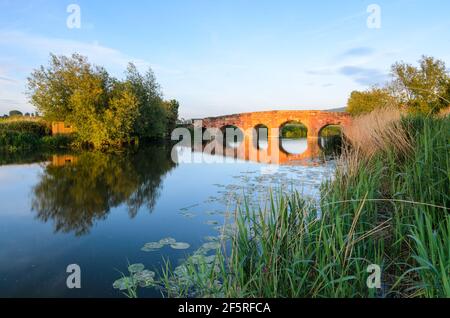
(294, 146)
(76, 191)
(280, 151)
(331, 146)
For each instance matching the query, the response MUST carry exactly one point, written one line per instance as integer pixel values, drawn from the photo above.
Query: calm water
(98, 211)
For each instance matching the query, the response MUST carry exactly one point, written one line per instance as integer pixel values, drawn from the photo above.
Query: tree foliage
(104, 110)
(151, 122)
(424, 89)
(171, 108)
(13, 113)
(367, 101)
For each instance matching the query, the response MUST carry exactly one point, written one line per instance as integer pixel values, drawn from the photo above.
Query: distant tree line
(104, 110)
(424, 89)
(18, 113)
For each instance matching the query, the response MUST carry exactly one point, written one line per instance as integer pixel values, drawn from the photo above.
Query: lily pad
(124, 283)
(145, 278)
(188, 215)
(211, 238)
(135, 268)
(167, 241)
(180, 246)
(211, 222)
(181, 271)
(210, 246)
(198, 259)
(152, 246)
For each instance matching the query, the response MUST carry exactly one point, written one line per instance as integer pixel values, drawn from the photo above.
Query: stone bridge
(314, 121)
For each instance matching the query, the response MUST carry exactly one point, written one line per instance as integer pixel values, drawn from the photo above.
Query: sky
(221, 57)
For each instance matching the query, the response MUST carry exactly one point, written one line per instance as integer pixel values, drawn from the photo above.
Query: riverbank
(24, 135)
(387, 207)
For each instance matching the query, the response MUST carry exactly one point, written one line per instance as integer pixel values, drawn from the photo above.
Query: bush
(38, 128)
(57, 141)
(13, 140)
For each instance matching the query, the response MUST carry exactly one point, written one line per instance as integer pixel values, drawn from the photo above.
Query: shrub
(38, 128)
(57, 141)
(13, 140)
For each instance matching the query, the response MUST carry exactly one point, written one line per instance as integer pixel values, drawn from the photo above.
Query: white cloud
(35, 49)
(42, 46)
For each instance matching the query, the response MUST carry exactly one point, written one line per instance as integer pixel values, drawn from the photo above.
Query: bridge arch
(293, 129)
(261, 136)
(330, 138)
(233, 136)
(293, 136)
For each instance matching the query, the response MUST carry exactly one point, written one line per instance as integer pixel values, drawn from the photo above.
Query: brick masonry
(314, 120)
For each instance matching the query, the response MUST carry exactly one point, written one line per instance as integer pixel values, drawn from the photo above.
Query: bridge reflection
(271, 152)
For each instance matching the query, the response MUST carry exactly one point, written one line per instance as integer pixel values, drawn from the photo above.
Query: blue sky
(227, 56)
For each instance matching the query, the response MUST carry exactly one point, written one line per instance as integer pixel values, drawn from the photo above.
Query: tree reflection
(77, 194)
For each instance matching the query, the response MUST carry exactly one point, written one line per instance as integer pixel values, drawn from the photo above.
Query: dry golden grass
(444, 112)
(378, 131)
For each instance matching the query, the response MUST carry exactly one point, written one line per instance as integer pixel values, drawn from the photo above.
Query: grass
(388, 205)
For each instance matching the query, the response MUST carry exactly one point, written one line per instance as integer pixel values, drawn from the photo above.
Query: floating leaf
(211, 238)
(189, 207)
(188, 215)
(180, 246)
(152, 246)
(211, 246)
(211, 222)
(181, 271)
(167, 241)
(145, 278)
(198, 259)
(135, 268)
(124, 283)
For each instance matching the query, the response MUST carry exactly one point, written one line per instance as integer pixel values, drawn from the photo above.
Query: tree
(172, 108)
(122, 112)
(151, 123)
(13, 113)
(104, 110)
(424, 89)
(51, 88)
(367, 101)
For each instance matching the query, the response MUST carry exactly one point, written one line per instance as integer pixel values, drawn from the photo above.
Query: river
(98, 211)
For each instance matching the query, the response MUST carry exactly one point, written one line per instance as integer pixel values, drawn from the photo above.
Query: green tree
(367, 101)
(105, 111)
(51, 88)
(13, 113)
(423, 89)
(152, 119)
(172, 108)
(121, 113)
